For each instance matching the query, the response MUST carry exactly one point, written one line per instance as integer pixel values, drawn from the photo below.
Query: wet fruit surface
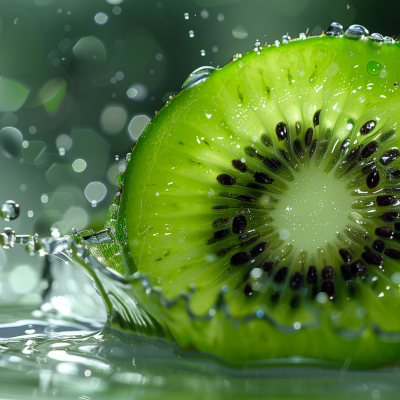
(269, 191)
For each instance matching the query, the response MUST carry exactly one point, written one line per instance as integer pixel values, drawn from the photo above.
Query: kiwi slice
(269, 190)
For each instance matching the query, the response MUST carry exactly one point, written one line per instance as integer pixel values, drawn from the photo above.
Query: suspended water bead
(8, 237)
(186, 15)
(117, 157)
(335, 29)
(347, 6)
(203, 52)
(285, 39)
(356, 32)
(10, 210)
(376, 37)
(197, 76)
(191, 34)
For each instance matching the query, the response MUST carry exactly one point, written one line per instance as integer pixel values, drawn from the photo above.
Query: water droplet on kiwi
(376, 37)
(285, 39)
(374, 67)
(356, 32)
(335, 29)
(10, 210)
(199, 75)
(302, 36)
(388, 39)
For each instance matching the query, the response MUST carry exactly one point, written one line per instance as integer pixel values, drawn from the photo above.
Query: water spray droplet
(10, 210)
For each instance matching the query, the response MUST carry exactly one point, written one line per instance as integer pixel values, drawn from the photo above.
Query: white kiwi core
(313, 211)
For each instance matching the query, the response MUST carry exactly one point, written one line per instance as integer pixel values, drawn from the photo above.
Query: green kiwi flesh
(268, 196)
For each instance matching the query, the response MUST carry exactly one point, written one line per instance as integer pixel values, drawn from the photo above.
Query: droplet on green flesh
(271, 187)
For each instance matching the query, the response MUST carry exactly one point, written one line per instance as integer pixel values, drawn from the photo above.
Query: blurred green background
(79, 80)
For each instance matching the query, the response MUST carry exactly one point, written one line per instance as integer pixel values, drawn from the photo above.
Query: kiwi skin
(187, 188)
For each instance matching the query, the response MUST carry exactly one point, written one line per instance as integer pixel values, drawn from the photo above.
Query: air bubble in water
(191, 34)
(9, 210)
(257, 44)
(285, 39)
(186, 15)
(203, 52)
(302, 36)
(348, 7)
(117, 158)
(335, 29)
(356, 32)
(277, 43)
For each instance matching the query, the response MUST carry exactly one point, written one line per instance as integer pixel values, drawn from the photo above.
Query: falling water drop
(9, 210)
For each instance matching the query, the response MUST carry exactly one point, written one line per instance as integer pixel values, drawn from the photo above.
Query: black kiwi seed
(353, 154)
(240, 166)
(295, 302)
(388, 200)
(225, 179)
(298, 148)
(384, 231)
(280, 275)
(389, 156)
(240, 258)
(397, 226)
(346, 272)
(266, 266)
(312, 275)
(296, 281)
(394, 174)
(371, 257)
(328, 287)
(358, 269)
(281, 131)
(327, 273)
(369, 149)
(221, 234)
(265, 140)
(378, 245)
(316, 118)
(239, 224)
(390, 216)
(260, 248)
(243, 197)
(248, 290)
(345, 255)
(392, 253)
(368, 127)
(373, 179)
(220, 207)
(313, 147)
(368, 168)
(260, 177)
(309, 135)
(272, 163)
